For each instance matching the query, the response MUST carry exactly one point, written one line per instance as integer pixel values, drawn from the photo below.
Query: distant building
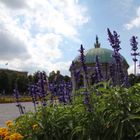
(105, 59)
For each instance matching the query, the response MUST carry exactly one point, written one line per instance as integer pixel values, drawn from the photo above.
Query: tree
(22, 83)
(4, 83)
(133, 79)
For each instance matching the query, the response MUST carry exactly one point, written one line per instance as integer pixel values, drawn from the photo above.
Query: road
(9, 111)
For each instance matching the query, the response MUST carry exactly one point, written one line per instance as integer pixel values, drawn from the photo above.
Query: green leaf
(138, 134)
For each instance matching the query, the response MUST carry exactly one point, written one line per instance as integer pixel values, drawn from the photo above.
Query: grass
(11, 99)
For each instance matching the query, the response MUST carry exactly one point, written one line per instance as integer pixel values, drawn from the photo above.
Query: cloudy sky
(46, 34)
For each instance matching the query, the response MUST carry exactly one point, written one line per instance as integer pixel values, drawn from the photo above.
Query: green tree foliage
(58, 77)
(4, 82)
(8, 78)
(22, 82)
(134, 79)
(51, 76)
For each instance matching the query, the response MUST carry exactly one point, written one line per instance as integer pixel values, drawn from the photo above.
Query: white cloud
(134, 22)
(12, 47)
(36, 30)
(46, 47)
(14, 4)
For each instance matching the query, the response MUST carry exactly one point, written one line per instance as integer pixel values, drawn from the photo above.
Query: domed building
(105, 60)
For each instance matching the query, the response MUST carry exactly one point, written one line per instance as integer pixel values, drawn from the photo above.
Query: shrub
(114, 115)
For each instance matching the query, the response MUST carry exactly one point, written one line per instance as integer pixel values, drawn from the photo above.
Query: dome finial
(97, 44)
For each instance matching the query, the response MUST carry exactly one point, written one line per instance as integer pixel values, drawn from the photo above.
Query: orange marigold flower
(16, 136)
(35, 126)
(7, 138)
(4, 132)
(9, 124)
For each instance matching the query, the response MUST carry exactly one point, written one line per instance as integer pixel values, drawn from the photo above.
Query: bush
(114, 114)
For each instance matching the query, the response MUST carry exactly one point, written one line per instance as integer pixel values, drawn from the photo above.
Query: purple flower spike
(16, 95)
(33, 93)
(126, 81)
(86, 100)
(112, 72)
(114, 40)
(82, 58)
(134, 43)
(98, 75)
(41, 87)
(115, 43)
(111, 38)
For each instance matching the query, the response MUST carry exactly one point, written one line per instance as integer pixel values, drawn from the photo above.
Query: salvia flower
(98, 70)
(86, 100)
(134, 43)
(62, 90)
(33, 93)
(112, 72)
(114, 40)
(111, 37)
(97, 77)
(115, 43)
(82, 59)
(16, 95)
(41, 87)
(126, 81)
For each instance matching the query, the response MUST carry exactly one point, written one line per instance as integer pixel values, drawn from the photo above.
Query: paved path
(10, 111)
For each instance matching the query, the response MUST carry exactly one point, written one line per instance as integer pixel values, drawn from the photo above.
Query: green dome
(105, 56)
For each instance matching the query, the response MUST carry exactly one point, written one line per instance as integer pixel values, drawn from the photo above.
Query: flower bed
(9, 133)
(110, 113)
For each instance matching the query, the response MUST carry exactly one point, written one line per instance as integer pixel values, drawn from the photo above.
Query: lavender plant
(114, 40)
(62, 91)
(98, 74)
(112, 72)
(134, 43)
(41, 87)
(33, 94)
(21, 108)
(126, 81)
(115, 43)
(87, 100)
(84, 67)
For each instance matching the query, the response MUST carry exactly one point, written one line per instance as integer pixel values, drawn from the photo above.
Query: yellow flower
(6, 133)
(3, 132)
(9, 124)
(16, 136)
(7, 138)
(35, 126)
